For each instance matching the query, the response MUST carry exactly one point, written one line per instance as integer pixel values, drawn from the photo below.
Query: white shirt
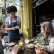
(8, 19)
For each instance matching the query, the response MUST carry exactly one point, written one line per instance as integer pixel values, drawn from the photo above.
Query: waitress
(13, 24)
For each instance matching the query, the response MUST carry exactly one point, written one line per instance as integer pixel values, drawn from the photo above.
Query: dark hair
(11, 9)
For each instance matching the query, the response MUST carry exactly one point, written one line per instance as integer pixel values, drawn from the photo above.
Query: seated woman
(45, 35)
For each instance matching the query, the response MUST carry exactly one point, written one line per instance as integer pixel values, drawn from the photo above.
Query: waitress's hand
(17, 27)
(13, 28)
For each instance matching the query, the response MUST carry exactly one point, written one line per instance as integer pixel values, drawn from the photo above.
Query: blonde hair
(48, 28)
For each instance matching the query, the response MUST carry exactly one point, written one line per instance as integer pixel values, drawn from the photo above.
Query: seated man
(1, 47)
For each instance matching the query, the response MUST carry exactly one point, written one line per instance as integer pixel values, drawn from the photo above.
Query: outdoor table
(25, 50)
(29, 51)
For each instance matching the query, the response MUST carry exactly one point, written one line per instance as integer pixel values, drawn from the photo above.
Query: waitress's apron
(13, 34)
